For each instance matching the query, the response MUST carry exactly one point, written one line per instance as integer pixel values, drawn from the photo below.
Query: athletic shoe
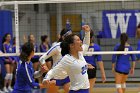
(10, 89)
(5, 90)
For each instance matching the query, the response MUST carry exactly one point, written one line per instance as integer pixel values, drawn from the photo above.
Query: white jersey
(54, 52)
(75, 68)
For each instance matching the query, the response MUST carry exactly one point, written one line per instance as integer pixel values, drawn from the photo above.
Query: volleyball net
(49, 17)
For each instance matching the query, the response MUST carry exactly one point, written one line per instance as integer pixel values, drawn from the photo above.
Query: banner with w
(116, 22)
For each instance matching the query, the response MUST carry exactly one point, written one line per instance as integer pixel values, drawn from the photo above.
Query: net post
(16, 27)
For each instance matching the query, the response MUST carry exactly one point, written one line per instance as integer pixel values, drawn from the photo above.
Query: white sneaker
(5, 90)
(1, 91)
(10, 89)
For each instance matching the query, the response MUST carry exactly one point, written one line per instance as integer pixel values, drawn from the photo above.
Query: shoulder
(67, 59)
(56, 46)
(5, 44)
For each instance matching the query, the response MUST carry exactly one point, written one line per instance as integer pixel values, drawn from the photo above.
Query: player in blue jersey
(44, 47)
(138, 44)
(92, 59)
(35, 59)
(121, 63)
(25, 73)
(8, 61)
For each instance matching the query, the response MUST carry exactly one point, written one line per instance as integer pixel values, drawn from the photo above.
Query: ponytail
(123, 40)
(64, 48)
(24, 57)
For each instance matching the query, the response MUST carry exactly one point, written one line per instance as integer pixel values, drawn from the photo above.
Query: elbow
(42, 60)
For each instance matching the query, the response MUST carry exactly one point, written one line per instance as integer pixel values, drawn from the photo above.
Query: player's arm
(51, 52)
(101, 65)
(30, 79)
(86, 40)
(133, 62)
(114, 57)
(59, 68)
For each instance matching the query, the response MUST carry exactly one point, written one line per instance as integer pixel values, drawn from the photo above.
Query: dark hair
(62, 33)
(65, 45)
(123, 40)
(138, 25)
(137, 31)
(43, 38)
(26, 50)
(4, 38)
(91, 36)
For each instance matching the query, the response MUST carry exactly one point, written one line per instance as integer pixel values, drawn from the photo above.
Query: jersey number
(90, 50)
(84, 69)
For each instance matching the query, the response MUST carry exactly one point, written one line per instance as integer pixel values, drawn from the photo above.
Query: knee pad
(123, 85)
(7, 77)
(11, 77)
(118, 86)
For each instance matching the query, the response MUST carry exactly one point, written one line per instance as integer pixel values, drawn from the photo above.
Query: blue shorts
(21, 91)
(62, 82)
(80, 91)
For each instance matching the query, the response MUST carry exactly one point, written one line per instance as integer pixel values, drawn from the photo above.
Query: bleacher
(108, 44)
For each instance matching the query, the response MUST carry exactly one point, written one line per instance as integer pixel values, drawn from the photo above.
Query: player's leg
(92, 78)
(11, 77)
(124, 83)
(7, 76)
(118, 80)
(66, 87)
(92, 83)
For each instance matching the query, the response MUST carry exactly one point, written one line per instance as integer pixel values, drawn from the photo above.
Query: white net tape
(93, 53)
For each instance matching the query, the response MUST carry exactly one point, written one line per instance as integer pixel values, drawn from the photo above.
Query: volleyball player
(121, 64)
(138, 44)
(7, 48)
(91, 59)
(25, 73)
(73, 62)
(35, 59)
(44, 47)
(55, 53)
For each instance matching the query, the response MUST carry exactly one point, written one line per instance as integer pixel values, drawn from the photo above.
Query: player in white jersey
(55, 53)
(73, 62)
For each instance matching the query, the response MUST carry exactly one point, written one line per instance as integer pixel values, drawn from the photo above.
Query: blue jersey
(8, 48)
(24, 77)
(138, 49)
(91, 59)
(14, 51)
(122, 60)
(35, 50)
(43, 48)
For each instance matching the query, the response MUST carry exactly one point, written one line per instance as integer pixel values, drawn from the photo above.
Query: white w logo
(119, 23)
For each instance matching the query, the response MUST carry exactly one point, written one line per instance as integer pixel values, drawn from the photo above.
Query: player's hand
(103, 78)
(46, 83)
(113, 71)
(86, 28)
(90, 66)
(52, 82)
(43, 86)
(132, 71)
